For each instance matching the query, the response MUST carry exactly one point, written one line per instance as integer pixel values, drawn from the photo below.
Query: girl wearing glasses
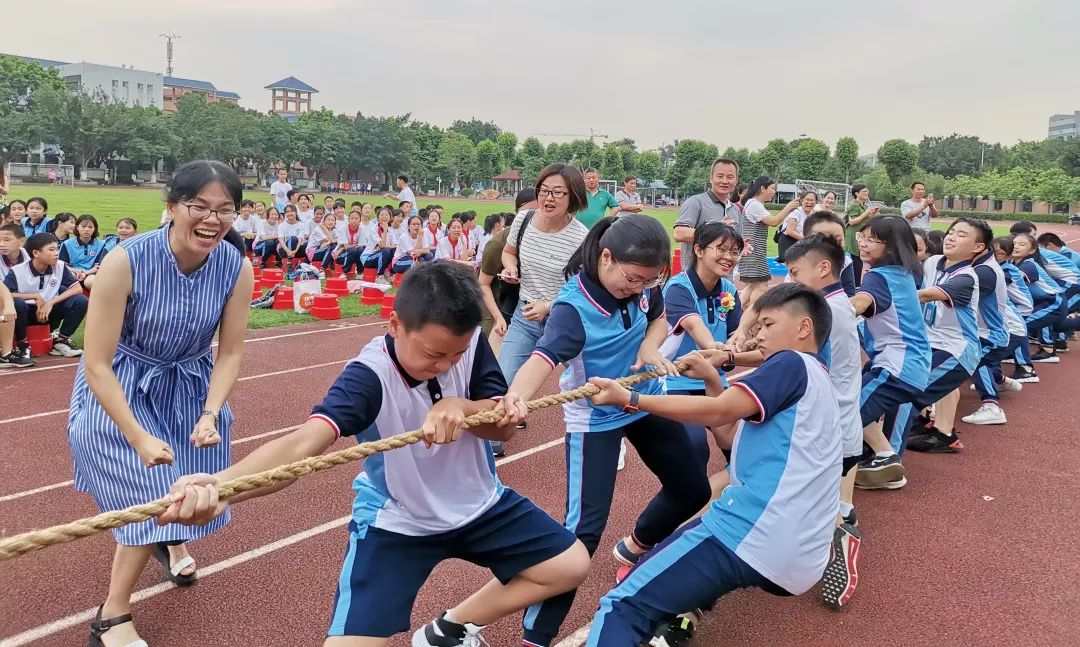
(148, 405)
(894, 337)
(608, 320)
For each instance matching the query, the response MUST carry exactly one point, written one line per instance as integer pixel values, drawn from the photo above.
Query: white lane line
(32, 416)
(335, 328)
(54, 486)
(56, 626)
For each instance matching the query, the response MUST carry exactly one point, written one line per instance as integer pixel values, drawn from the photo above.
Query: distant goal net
(60, 174)
(841, 190)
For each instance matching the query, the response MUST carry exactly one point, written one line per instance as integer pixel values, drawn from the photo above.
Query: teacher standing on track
(148, 406)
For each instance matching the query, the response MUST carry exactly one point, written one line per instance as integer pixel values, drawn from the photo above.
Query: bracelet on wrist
(212, 414)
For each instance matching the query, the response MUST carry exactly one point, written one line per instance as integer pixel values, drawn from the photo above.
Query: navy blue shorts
(946, 375)
(383, 571)
(881, 393)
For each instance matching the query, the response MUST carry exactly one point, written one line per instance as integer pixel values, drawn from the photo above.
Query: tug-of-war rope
(27, 542)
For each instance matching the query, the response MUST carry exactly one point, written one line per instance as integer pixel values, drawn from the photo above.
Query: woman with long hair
(754, 223)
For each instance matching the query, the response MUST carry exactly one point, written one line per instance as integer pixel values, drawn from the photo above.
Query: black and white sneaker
(935, 442)
(881, 473)
(443, 633)
(15, 359)
(1025, 375)
(673, 633)
(1045, 357)
(1061, 346)
(64, 347)
(842, 571)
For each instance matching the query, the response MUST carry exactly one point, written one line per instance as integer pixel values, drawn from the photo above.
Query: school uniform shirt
(1017, 289)
(6, 263)
(472, 237)
(373, 237)
(280, 191)
(719, 309)
(993, 308)
(396, 233)
(847, 276)
(341, 232)
(305, 216)
(952, 325)
(248, 226)
(79, 256)
(407, 194)
(30, 229)
(842, 356)
(482, 240)
(407, 243)
(1043, 288)
(594, 334)
(436, 232)
(265, 231)
(451, 250)
(355, 238)
(1071, 255)
(1060, 268)
(779, 512)
(895, 334)
(318, 237)
(25, 279)
(415, 490)
(297, 230)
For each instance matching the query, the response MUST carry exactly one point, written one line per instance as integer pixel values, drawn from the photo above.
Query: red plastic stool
(257, 271)
(316, 264)
(283, 299)
(338, 287)
(256, 291)
(351, 275)
(676, 262)
(387, 306)
(272, 277)
(398, 278)
(369, 275)
(371, 297)
(326, 306)
(271, 262)
(39, 336)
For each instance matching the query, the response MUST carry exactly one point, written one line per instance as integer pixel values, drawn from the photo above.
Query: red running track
(941, 564)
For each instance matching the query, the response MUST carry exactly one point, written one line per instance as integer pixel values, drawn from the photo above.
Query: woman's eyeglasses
(558, 194)
(651, 283)
(199, 212)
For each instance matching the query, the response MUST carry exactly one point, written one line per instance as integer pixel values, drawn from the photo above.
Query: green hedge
(1061, 218)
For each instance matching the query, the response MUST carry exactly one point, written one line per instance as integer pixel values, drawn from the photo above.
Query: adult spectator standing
(405, 193)
(920, 208)
(279, 190)
(599, 201)
(628, 198)
(715, 205)
(858, 212)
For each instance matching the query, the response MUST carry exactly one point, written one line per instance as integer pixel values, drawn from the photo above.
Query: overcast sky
(733, 74)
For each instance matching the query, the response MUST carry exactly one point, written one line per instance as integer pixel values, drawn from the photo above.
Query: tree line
(36, 107)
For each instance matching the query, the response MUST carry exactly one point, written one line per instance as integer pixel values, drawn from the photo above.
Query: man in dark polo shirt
(713, 205)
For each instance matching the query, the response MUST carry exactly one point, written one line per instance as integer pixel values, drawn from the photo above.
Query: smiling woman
(148, 405)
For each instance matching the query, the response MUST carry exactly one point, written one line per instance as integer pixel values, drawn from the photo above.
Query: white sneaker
(622, 456)
(65, 349)
(1010, 385)
(382, 279)
(987, 414)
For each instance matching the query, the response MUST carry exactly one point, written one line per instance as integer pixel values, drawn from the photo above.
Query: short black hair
(319, 208)
(355, 203)
(38, 242)
(1005, 243)
(403, 203)
(812, 304)
(290, 193)
(819, 217)
(403, 178)
(1023, 227)
(1051, 239)
(443, 293)
(15, 228)
(855, 188)
(917, 183)
(982, 229)
(247, 203)
(523, 197)
(820, 245)
(191, 178)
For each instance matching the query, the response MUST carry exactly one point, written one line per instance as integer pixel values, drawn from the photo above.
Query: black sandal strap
(104, 624)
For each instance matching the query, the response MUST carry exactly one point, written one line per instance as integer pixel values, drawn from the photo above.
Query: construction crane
(592, 135)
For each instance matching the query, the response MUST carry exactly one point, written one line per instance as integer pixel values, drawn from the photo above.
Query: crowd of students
(811, 423)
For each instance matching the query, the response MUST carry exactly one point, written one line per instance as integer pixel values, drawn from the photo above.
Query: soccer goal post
(62, 174)
(842, 191)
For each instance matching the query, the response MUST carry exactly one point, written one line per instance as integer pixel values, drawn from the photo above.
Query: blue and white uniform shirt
(719, 309)
(779, 511)
(81, 256)
(1060, 268)
(993, 313)
(596, 335)
(842, 355)
(1042, 286)
(894, 332)
(415, 490)
(952, 325)
(1017, 289)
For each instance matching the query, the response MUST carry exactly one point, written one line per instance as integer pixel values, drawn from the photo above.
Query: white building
(123, 84)
(1064, 126)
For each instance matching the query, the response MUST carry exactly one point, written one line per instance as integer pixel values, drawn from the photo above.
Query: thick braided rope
(37, 539)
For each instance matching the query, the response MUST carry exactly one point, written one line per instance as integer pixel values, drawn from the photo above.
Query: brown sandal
(99, 626)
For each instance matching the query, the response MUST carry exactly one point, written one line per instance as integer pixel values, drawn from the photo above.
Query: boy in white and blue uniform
(1049, 307)
(45, 281)
(771, 527)
(419, 505)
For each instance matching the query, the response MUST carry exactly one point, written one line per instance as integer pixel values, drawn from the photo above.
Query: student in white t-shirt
(378, 246)
(404, 194)
(292, 235)
(304, 211)
(324, 242)
(455, 246)
(266, 237)
(246, 224)
(413, 246)
(279, 190)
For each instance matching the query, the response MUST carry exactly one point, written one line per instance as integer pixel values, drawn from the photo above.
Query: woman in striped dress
(148, 404)
(754, 223)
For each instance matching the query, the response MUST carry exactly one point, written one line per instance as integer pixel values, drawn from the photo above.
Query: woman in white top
(455, 246)
(324, 241)
(413, 246)
(292, 235)
(266, 237)
(754, 223)
(378, 245)
(791, 230)
(551, 237)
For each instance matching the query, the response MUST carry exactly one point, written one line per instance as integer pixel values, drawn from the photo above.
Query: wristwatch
(729, 365)
(212, 414)
(632, 406)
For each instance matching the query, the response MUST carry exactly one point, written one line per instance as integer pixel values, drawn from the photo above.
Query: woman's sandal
(99, 626)
(172, 571)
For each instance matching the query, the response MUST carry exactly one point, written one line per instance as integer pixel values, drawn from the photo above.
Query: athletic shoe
(1045, 357)
(935, 442)
(851, 519)
(988, 414)
(64, 347)
(623, 554)
(1061, 346)
(622, 456)
(24, 349)
(1010, 385)
(443, 633)
(15, 359)
(842, 571)
(674, 633)
(1025, 376)
(382, 280)
(497, 448)
(522, 425)
(881, 473)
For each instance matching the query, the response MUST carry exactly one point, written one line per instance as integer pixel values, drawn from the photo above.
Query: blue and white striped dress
(163, 363)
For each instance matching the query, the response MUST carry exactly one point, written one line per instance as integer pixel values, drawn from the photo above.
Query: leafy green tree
(86, 128)
(507, 143)
(20, 80)
(810, 157)
(690, 154)
(846, 158)
(775, 159)
(898, 157)
(424, 141)
(381, 144)
(487, 161)
(953, 155)
(532, 159)
(322, 141)
(648, 167)
(476, 130)
(458, 156)
(612, 168)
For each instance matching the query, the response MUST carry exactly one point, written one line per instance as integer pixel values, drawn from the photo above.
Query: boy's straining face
(429, 350)
(812, 271)
(829, 229)
(783, 328)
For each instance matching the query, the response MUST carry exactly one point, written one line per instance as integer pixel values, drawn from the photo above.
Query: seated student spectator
(62, 226)
(455, 246)
(125, 228)
(328, 204)
(493, 224)
(434, 223)
(246, 224)
(16, 210)
(403, 526)
(46, 291)
(292, 235)
(266, 241)
(469, 230)
(5, 215)
(294, 199)
(398, 226)
(367, 213)
(82, 251)
(37, 216)
(378, 248)
(771, 528)
(11, 356)
(412, 246)
(350, 253)
(260, 210)
(313, 223)
(323, 242)
(304, 211)
(12, 253)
